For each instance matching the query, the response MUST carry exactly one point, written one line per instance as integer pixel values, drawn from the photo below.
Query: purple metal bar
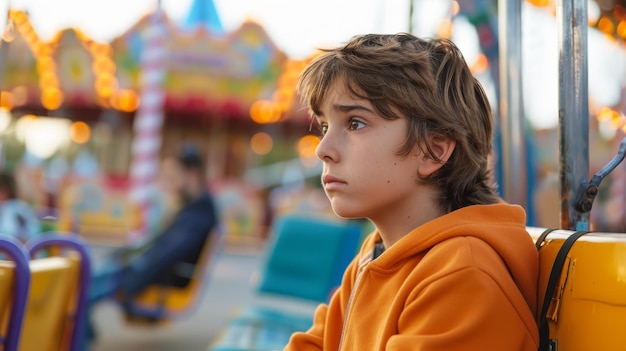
(74, 243)
(19, 255)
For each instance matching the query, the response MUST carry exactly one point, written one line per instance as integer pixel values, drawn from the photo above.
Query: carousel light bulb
(46, 135)
(80, 132)
(6, 100)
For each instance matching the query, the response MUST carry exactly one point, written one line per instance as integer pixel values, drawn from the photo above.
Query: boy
(406, 137)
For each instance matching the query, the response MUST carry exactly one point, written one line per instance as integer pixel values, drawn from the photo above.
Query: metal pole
(573, 109)
(513, 153)
(411, 10)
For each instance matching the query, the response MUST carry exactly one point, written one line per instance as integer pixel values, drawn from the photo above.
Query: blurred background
(95, 95)
(72, 94)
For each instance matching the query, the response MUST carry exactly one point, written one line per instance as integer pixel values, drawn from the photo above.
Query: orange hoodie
(464, 281)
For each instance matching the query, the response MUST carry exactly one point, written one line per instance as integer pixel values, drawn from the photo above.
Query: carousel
(88, 123)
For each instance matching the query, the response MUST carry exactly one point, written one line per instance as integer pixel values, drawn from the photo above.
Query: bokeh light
(51, 98)
(80, 132)
(261, 143)
(43, 136)
(5, 119)
(264, 112)
(126, 100)
(6, 100)
(306, 150)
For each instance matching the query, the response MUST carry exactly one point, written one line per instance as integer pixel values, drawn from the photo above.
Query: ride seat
(161, 303)
(304, 264)
(588, 307)
(54, 281)
(56, 311)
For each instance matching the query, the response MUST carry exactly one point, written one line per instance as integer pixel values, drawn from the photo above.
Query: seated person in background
(17, 218)
(183, 240)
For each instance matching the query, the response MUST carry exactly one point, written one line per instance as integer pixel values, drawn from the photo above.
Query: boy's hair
(427, 82)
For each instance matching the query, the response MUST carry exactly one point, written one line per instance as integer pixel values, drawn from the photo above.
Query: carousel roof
(222, 74)
(203, 13)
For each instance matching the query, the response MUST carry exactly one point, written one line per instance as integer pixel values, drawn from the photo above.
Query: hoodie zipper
(349, 307)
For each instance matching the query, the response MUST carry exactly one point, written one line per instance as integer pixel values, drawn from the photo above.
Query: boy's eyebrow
(346, 108)
(351, 107)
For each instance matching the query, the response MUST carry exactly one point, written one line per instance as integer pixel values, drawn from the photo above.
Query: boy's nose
(325, 150)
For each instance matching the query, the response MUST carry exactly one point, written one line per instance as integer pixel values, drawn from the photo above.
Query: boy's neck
(398, 222)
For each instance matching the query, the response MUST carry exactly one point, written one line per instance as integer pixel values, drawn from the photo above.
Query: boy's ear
(442, 147)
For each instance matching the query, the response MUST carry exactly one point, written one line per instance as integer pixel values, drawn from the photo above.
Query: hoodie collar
(487, 222)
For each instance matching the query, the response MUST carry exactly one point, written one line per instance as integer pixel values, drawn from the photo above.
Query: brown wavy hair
(428, 83)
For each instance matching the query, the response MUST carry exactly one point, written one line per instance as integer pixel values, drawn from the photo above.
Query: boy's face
(362, 175)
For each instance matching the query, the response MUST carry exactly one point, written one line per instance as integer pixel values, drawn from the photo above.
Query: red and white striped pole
(148, 123)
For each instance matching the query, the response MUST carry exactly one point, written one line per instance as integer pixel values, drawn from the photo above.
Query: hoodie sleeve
(313, 339)
(329, 318)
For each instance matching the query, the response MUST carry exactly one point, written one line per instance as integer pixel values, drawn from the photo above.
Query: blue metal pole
(512, 121)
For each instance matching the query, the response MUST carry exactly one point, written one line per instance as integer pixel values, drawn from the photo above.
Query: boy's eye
(355, 125)
(320, 128)
(323, 129)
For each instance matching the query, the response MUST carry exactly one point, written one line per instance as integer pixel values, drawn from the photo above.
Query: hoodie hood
(502, 226)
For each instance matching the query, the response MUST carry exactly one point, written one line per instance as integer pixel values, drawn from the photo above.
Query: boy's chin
(345, 214)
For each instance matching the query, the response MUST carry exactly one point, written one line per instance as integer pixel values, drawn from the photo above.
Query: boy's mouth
(331, 182)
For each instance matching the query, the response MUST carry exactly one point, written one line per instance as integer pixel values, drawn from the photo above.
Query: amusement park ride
(582, 280)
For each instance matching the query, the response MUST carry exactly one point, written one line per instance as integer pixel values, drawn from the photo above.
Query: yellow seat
(48, 320)
(56, 311)
(6, 294)
(588, 306)
(161, 303)
(6, 284)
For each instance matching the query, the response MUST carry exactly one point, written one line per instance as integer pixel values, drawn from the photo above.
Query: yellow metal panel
(592, 309)
(600, 270)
